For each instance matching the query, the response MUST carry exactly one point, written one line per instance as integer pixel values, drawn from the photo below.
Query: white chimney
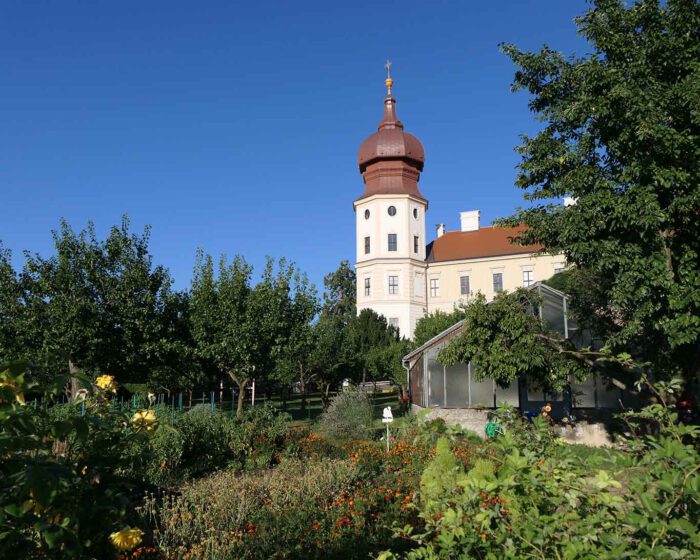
(469, 220)
(440, 230)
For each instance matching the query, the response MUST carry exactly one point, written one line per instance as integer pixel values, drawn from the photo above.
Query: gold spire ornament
(389, 82)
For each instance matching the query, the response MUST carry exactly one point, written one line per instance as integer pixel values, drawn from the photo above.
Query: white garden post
(387, 418)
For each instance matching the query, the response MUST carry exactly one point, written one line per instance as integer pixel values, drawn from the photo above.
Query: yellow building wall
(480, 273)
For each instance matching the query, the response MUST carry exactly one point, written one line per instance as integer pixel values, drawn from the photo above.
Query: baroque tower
(390, 223)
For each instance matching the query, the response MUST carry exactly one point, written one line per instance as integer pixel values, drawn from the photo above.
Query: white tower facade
(390, 224)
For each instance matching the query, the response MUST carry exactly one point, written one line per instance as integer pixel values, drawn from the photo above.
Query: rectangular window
(434, 287)
(528, 278)
(366, 245)
(394, 322)
(393, 284)
(497, 282)
(464, 285)
(368, 287)
(392, 242)
(558, 270)
(415, 244)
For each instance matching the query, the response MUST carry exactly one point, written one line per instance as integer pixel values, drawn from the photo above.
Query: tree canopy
(621, 136)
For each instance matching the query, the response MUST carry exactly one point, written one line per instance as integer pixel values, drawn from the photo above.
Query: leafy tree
(622, 137)
(505, 339)
(340, 296)
(11, 316)
(96, 305)
(330, 357)
(296, 362)
(433, 324)
(367, 335)
(221, 319)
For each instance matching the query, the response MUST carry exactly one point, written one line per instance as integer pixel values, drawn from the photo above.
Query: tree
(367, 334)
(340, 296)
(434, 323)
(11, 332)
(296, 361)
(505, 339)
(220, 316)
(622, 137)
(95, 305)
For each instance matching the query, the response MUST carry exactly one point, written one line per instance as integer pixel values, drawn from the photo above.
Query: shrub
(276, 513)
(64, 485)
(348, 417)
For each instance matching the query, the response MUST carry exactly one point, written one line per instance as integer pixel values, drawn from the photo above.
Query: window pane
(367, 286)
(366, 245)
(498, 281)
(394, 322)
(437, 380)
(608, 394)
(392, 242)
(457, 380)
(481, 392)
(583, 393)
(509, 394)
(393, 284)
(415, 244)
(464, 285)
(528, 278)
(434, 287)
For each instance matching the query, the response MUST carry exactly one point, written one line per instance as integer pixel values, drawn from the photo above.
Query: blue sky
(234, 126)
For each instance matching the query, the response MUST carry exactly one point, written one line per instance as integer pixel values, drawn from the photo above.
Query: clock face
(415, 213)
(366, 214)
(392, 211)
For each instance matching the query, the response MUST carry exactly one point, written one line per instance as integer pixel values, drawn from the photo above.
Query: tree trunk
(241, 383)
(73, 370)
(302, 386)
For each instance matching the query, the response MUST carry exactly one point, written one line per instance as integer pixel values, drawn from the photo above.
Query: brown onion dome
(391, 141)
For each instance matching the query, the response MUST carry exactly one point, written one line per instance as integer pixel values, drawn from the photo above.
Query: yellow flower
(106, 383)
(14, 386)
(145, 419)
(126, 539)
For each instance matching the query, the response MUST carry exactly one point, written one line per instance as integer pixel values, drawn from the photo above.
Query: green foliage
(528, 497)
(275, 513)
(504, 339)
(64, 483)
(620, 135)
(434, 323)
(349, 416)
(198, 442)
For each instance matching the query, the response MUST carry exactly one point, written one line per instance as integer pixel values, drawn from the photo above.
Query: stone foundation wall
(594, 434)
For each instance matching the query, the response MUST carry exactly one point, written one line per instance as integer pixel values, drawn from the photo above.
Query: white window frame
(393, 287)
(434, 287)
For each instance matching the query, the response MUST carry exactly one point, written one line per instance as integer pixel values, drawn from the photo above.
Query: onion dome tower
(390, 222)
(391, 159)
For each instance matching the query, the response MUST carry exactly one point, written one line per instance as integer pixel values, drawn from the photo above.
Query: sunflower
(144, 419)
(126, 539)
(106, 383)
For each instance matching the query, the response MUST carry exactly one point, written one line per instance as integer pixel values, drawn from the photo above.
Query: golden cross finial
(389, 82)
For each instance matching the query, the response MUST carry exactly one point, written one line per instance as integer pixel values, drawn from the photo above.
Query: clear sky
(234, 126)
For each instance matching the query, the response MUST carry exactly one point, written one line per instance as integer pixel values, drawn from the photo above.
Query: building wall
(408, 304)
(480, 272)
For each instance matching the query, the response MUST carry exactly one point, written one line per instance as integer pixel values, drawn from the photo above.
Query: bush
(348, 417)
(277, 513)
(198, 442)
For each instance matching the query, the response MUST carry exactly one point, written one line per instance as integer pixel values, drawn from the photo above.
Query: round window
(392, 211)
(415, 213)
(366, 214)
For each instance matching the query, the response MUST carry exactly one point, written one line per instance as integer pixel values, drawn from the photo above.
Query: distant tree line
(103, 306)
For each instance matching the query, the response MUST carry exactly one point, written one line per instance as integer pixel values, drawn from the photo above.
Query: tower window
(415, 244)
(393, 285)
(394, 322)
(434, 287)
(415, 213)
(392, 210)
(497, 282)
(528, 278)
(368, 287)
(392, 242)
(366, 245)
(464, 288)
(366, 214)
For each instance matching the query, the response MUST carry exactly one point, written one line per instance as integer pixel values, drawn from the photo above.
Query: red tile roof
(485, 242)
